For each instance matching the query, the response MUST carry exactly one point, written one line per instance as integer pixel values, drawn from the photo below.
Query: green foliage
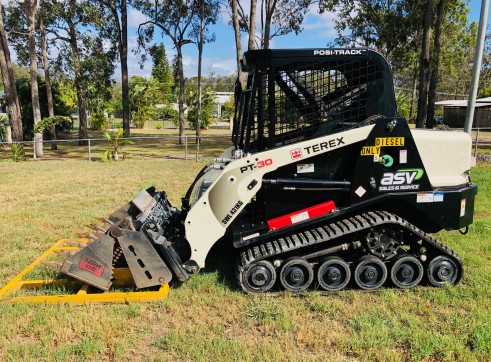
(403, 102)
(116, 144)
(61, 121)
(166, 113)
(63, 102)
(229, 108)
(18, 154)
(162, 73)
(207, 107)
(143, 94)
(98, 121)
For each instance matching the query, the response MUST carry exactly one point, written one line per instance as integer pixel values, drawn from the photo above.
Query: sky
(219, 57)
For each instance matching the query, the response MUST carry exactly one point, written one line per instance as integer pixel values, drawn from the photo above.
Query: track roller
(296, 275)
(258, 277)
(406, 272)
(442, 271)
(370, 272)
(333, 274)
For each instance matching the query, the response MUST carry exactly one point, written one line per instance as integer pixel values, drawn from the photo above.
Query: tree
(174, 19)
(47, 77)
(278, 17)
(238, 45)
(161, 71)
(73, 24)
(8, 79)
(119, 23)
(143, 94)
(207, 14)
(31, 13)
(203, 120)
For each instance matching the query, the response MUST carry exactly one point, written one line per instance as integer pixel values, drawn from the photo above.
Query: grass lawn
(207, 318)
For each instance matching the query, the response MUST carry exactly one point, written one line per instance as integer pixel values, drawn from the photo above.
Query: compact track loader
(324, 187)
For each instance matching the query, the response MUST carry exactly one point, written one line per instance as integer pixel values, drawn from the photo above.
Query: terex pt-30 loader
(324, 187)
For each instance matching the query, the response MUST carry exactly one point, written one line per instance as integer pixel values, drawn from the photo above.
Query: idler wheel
(296, 275)
(406, 272)
(370, 272)
(259, 276)
(442, 271)
(333, 274)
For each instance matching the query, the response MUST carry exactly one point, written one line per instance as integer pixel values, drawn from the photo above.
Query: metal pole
(476, 67)
(186, 152)
(90, 158)
(197, 148)
(477, 142)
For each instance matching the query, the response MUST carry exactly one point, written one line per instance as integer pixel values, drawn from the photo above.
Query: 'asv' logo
(402, 180)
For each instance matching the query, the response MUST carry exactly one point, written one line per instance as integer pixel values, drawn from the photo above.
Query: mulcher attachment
(132, 236)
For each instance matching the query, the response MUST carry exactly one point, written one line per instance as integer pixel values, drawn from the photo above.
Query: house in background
(454, 112)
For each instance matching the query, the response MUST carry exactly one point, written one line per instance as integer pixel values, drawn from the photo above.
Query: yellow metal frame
(122, 277)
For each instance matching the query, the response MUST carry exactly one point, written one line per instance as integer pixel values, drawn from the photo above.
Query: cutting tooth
(77, 244)
(97, 227)
(82, 234)
(52, 264)
(65, 253)
(104, 220)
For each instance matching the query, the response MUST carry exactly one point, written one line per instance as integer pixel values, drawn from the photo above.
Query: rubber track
(333, 231)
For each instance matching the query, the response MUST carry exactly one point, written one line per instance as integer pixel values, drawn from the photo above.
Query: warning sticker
(421, 198)
(462, 207)
(360, 191)
(389, 141)
(300, 217)
(403, 156)
(370, 150)
(438, 197)
(305, 168)
(91, 266)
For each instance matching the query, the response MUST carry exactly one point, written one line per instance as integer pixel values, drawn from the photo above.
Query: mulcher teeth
(52, 264)
(105, 220)
(100, 228)
(65, 253)
(76, 244)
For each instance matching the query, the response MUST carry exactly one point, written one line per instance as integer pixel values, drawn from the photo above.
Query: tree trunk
(424, 66)
(9, 84)
(200, 59)
(31, 12)
(238, 45)
(122, 29)
(252, 25)
(49, 92)
(430, 121)
(124, 69)
(82, 113)
(180, 100)
(270, 7)
(415, 90)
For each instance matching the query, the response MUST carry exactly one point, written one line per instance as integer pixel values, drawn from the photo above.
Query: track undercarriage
(366, 251)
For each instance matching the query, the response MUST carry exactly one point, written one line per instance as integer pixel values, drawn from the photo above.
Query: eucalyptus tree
(31, 9)
(208, 11)
(276, 18)
(174, 19)
(117, 28)
(8, 80)
(74, 26)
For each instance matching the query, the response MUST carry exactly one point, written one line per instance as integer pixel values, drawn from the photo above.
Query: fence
(171, 147)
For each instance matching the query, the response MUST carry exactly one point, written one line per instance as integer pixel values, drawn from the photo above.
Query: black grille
(291, 101)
